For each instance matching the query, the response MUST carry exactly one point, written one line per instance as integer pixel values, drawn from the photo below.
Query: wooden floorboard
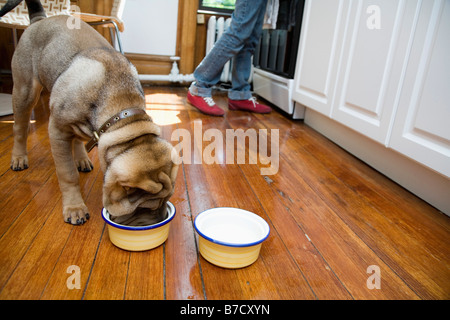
(331, 218)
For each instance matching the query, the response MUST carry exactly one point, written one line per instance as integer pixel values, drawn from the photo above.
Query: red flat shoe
(248, 105)
(205, 105)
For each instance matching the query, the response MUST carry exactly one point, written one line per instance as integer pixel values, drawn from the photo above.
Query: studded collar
(110, 122)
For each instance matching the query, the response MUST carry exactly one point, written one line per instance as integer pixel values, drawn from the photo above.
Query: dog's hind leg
(81, 157)
(24, 98)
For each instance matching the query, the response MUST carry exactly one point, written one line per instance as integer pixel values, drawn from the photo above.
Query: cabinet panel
(381, 68)
(373, 61)
(320, 41)
(421, 129)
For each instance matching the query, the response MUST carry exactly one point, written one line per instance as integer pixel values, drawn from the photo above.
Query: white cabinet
(371, 65)
(381, 68)
(422, 122)
(320, 41)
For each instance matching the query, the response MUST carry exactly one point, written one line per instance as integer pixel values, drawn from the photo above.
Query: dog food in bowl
(230, 237)
(139, 238)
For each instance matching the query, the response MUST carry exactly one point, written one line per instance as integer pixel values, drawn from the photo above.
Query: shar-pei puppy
(95, 96)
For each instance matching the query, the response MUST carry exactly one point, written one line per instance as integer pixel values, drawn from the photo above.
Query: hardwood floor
(331, 217)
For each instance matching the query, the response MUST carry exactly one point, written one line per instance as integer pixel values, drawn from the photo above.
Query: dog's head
(139, 174)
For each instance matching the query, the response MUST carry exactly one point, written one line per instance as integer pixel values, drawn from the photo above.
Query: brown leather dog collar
(111, 121)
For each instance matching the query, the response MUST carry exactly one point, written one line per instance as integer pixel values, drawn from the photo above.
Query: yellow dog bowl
(230, 237)
(139, 238)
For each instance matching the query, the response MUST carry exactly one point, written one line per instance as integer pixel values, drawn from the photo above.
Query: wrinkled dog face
(140, 176)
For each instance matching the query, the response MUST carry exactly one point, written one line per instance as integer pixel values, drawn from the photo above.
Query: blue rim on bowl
(262, 223)
(171, 214)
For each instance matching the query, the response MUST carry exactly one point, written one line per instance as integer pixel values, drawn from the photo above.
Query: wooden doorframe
(186, 34)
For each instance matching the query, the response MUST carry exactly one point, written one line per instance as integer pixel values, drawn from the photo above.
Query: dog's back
(89, 83)
(56, 45)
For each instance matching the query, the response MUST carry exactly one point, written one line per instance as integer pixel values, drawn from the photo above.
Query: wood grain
(331, 217)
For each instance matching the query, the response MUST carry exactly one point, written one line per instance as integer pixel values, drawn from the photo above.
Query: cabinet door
(372, 65)
(422, 123)
(320, 42)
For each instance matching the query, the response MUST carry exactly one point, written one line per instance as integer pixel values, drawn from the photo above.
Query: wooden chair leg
(15, 38)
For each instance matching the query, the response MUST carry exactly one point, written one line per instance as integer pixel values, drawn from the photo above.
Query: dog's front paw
(19, 163)
(84, 165)
(76, 215)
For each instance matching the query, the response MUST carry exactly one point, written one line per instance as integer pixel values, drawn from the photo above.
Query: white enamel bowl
(139, 238)
(230, 237)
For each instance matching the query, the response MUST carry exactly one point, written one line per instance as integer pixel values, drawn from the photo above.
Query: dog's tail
(35, 10)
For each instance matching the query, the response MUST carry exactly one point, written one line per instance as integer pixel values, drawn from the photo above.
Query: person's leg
(246, 16)
(240, 96)
(242, 62)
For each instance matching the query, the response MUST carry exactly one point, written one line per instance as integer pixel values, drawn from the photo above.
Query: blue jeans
(238, 41)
